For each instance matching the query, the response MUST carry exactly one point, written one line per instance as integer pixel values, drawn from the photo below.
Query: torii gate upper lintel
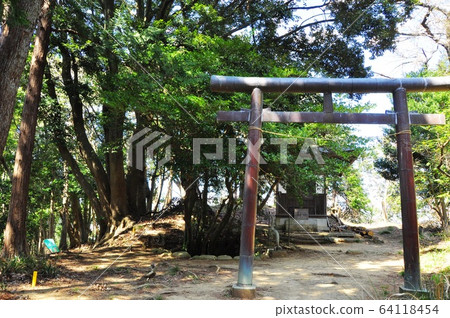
(400, 117)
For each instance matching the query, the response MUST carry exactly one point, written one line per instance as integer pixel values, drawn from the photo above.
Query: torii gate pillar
(244, 287)
(407, 194)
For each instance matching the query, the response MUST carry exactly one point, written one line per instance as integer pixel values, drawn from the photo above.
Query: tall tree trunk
(189, 200)
(65, 212)
(444, 215)
(137, 185)
(15, 232)
(15, 42)
(160, 190)
(77, 219)
(87, 151)
(152, 191)
(51, 219)
(137, 189)
(85, 230)
(113, 127)
(117, 181)
(64, 224)
(168, 198)
(101, 211)
(215, 233)
(41, 235)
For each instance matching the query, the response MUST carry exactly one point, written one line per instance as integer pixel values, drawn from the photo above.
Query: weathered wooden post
(244, 287)
(407, 194)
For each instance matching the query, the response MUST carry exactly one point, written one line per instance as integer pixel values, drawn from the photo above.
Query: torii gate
(400, 117)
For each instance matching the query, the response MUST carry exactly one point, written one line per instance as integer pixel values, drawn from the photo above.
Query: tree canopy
(116, 67)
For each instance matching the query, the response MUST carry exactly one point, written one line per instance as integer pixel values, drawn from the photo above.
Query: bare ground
(363, 270)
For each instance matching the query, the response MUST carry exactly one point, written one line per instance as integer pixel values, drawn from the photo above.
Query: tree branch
(312, 7)
(431, 8)
(5, 166)
(230, 10)
(303, 27)
(236, 29)
(72, 31)
(264, 201)
(441, 159)
(426, 27)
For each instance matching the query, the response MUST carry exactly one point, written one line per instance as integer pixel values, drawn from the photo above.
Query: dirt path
(362, 270)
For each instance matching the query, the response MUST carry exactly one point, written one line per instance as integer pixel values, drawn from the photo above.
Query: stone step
(324, 234)
(345, 240)
(342, 234)
(322, 237)
(309, 240)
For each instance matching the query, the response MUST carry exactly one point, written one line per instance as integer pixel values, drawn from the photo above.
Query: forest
(79, 78)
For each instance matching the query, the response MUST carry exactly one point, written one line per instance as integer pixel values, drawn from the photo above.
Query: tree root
(115, 231)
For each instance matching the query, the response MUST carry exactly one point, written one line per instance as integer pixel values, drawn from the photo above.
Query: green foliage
(376, 24)
(16, 14)
(430, 150)
(27, 265)
(174, 270)
(432, 146)
(387, 231)
(437, 272)
(9, 156)
(358, 200)
(438, 285)
(154, 68)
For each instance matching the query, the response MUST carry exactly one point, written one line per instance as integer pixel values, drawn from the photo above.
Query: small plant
(158, 297)
(174, 270)
(191, 275)
(385, 291)
(27, 265)
(3, 286)
(439, 281)
(433, 262)
(438, 286)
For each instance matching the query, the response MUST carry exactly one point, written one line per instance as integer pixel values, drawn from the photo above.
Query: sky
(409, 56)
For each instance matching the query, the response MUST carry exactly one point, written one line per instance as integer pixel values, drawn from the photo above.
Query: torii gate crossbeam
(401, 118)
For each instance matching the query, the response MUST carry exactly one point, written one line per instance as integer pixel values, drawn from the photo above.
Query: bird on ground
(151, 273)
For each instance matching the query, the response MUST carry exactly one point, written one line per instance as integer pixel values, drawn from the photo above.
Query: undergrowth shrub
(45, 267)
(438, 285)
